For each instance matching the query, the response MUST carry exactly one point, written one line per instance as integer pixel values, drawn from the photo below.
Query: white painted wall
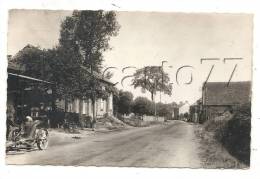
(103, 106)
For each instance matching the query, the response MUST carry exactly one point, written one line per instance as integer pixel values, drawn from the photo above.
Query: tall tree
(34, 61)
(87, 33)
(152, 79)
(67, 74)
(74, 65)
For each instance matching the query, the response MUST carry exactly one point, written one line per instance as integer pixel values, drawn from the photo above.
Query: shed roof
(219, 93)
(29, 78)
(14, 68)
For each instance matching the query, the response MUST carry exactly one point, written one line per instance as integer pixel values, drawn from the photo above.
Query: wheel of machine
(14, 134)
(42, 144)
(42, 139)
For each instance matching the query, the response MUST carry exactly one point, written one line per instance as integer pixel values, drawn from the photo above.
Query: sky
(148, 38)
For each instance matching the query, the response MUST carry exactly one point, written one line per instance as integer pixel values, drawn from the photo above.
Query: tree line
(125, 104)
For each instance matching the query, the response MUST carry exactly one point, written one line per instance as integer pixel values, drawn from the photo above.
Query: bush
(163, 109)
(142, 106)
(233, 131)
(237, 135)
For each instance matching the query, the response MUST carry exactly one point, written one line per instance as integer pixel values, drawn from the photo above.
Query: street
(172, 144)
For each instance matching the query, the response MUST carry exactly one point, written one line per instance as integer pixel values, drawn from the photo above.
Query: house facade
(25, 98)
(83, 107)
(218, 97)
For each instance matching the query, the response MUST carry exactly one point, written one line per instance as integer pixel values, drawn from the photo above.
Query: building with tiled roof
(217, 97)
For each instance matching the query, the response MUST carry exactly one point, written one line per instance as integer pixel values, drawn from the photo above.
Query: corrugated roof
(218, 93)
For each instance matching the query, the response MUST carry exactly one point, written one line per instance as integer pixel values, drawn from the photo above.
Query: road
(167, 145)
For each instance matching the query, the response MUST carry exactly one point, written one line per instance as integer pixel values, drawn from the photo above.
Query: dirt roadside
(212, 154)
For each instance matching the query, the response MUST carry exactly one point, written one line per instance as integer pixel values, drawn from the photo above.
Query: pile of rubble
(110, 123)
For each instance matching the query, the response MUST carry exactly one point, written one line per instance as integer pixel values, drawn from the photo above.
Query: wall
(84, 107)
(152, 118)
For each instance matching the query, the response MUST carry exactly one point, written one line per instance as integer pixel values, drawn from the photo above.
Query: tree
(125, 101)
(85, 36)
(67, 74)
(164, 109)
(74, 65)
(152, 79)
(58, 65)
(35, 62)
(181, 103)
(88, 33)
(141, 106)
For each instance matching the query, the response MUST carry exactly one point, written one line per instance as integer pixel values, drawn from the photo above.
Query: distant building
(218, 97)
(195, 111)
(175, 114)
(183, 110)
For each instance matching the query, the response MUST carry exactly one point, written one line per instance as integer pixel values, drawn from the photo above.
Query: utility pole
(164, 61)
(160, 96)
(155, 112)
